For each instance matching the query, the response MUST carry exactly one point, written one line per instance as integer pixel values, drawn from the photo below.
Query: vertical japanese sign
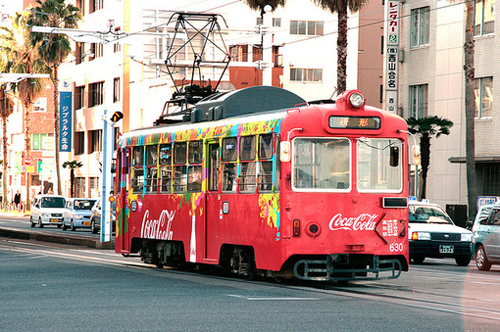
(65, 121)
(392, 49)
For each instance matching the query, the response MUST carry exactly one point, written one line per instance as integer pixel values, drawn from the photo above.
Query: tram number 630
(394, 247)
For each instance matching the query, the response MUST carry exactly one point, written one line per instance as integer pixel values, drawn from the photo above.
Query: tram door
(213, 204)
(123, 181)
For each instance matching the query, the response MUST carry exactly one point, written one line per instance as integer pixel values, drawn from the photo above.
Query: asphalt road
(59, 287)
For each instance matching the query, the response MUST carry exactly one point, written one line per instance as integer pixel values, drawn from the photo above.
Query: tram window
(375, 172)
(180, 179)
(165, 168)
(151, 179)
(165, 154)
(229, 149)
(265, 180)
(266, 146)
(151, 155)
(229, 177)
(247, 177)
(137, 180)
(322, 164)
(195, 152)
(247, 148)
(138, 153)
(180, 153)
(194, 179)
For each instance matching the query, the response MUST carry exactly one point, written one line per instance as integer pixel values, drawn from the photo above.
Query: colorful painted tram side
(314, 191)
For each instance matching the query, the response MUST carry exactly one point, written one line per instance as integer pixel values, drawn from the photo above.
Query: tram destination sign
(354, 122)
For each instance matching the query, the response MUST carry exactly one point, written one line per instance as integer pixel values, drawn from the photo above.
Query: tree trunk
(469, 109)
(27, 147)
(425, 155)
(4, 150)
(72, 181)
(342, 48)
(55, 81)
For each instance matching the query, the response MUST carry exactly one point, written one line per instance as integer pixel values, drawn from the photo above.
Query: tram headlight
(356, 99)
(420, 236)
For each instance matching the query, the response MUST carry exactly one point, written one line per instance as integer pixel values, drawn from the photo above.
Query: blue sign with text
(65, 121)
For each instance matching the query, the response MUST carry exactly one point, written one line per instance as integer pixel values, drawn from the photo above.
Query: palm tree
(6, 109)
(72, 165)
(54, 50)
(427, 127)
(340, 7)
(22, 58)
(260, 4)
(470, 108)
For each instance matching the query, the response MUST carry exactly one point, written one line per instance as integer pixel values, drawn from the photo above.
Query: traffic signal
(117, 116)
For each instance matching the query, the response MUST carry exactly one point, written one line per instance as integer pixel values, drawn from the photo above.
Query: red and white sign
(27, 161)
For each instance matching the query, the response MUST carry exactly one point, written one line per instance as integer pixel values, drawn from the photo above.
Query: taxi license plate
(86, 223)
(54, 220)
(446, 249)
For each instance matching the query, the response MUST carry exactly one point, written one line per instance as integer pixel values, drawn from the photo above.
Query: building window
(97, 51)
(94, 187)
(418, 101)
(79, 144)
(239, 53)
(309, 28)
(95, 5)
(484, 17)
(483, 97)
(79, 97)
(116, 90)
(40, 105)
(42, 142)
(419, 29)
(276, 21)
(96, 94)
(306, 75)
(79, 53)
(95, 140)
(80, 186)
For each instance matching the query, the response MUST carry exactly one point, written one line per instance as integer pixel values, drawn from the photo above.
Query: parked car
(95, 219)
(47, 210)
(77, 213)
(433, 234)
(486, 231)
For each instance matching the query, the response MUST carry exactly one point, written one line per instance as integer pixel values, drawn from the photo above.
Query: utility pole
(267, 47)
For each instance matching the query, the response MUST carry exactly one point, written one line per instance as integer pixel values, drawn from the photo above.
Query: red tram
(261, 183)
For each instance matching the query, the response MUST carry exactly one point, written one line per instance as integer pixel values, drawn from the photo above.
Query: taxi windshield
(427, 215)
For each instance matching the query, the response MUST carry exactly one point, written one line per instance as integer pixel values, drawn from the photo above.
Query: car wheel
(73, 228)
(418, 259)
(31, 222)
(463, 260)
(92, 227)
(59, 226)
(40, 225)
(482, 261)
(64, 227)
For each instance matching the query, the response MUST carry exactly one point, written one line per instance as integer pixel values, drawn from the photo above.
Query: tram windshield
(322, 164)
(380, 166)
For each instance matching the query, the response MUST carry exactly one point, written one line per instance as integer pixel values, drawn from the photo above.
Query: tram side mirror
(285, 152)
(394, 156)
(416, 154)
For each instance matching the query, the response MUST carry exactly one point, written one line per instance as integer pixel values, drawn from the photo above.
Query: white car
(77, 214)
(486, 232)
(433, 234)
(47, 210)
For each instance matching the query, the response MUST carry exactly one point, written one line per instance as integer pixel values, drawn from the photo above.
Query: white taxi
(433, 234)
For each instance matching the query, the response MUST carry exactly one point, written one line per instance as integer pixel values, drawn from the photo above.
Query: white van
(47, 210)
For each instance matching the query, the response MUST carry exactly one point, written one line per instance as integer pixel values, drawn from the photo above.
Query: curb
(65, 239)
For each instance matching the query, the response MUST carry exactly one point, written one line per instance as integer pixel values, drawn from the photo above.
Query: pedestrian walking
(17, 200)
